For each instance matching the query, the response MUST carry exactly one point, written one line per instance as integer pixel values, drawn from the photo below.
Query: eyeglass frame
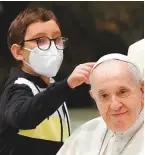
(37, 39)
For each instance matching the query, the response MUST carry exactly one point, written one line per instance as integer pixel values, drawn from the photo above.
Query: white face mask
(46, 63)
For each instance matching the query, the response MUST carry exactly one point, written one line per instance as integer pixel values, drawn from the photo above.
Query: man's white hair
(120, 57)
(136, 73)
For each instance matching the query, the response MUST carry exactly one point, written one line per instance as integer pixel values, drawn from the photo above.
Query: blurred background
(94, 29)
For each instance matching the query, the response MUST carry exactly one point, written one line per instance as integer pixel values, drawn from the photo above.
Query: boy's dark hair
(19, 25)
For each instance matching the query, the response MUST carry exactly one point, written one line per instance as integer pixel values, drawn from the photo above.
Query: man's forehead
(105, 73)
(115, 82)
(119, 86)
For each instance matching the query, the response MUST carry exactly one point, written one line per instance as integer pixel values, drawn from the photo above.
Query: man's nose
(115, 103)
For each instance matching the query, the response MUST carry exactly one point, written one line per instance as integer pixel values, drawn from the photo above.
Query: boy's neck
(30, 71)
(45, 79)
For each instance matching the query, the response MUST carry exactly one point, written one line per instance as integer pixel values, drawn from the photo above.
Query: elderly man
(118, 90)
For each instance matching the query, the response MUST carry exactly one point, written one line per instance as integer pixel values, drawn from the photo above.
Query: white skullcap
(113, 56)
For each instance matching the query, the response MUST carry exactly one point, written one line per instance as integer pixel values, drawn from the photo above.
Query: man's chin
(119, 127)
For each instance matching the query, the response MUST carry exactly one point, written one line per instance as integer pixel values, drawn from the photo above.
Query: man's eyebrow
(124, 87)
(101, 91)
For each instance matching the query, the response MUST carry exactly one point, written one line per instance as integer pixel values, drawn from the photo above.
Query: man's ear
(17, 52)
(142, 85)
(142, 93)
(92, 95)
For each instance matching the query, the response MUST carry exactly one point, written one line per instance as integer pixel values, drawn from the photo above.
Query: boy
(33, 116)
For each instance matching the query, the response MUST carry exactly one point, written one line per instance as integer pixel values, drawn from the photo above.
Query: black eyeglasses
(44, 43)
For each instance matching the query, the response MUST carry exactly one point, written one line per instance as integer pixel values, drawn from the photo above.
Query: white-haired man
(118, 90)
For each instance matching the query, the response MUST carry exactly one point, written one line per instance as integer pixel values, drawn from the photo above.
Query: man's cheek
(102, 109)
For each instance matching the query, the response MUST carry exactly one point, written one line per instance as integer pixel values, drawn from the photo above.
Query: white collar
(52, 80)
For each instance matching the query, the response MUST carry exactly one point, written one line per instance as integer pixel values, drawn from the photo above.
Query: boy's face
(39, 29)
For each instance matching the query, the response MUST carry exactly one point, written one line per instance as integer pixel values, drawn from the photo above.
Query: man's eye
(123, 93)
(104, 95)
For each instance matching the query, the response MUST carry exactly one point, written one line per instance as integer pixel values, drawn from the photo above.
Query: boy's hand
(80, 74)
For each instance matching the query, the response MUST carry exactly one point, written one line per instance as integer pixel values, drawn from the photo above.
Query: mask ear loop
(24, 60)
(26, 63)
(27, 49)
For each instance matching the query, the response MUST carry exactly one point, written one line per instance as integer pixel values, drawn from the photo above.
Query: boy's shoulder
(22, 84)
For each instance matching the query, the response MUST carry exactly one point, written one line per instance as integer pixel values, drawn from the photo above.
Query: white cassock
(93, 138)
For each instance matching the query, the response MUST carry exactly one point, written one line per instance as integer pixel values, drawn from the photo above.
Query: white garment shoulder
(92, 123)
(77, 141)
(89, 128)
